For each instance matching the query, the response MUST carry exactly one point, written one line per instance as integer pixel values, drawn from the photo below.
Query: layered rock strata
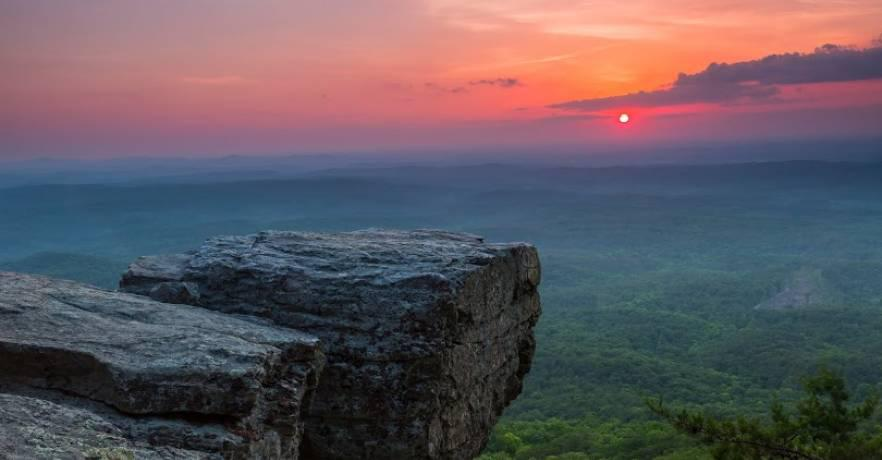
(428, 334)
(88, 373)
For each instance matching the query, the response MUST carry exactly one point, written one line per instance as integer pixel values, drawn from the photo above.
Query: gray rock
(173, 381)
(428, 334)
(51, 425)
(183, 293)
(805, 288)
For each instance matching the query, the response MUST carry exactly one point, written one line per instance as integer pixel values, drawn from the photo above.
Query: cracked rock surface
(86, 372)
(428, 334)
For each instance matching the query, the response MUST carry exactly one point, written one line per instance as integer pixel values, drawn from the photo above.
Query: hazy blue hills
(96, 271)
(652, 274)
(195, 169)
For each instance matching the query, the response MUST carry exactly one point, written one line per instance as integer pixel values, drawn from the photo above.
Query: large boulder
(428, 334)
(89, 373)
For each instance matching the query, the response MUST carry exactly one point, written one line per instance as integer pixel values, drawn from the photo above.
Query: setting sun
(428, 229)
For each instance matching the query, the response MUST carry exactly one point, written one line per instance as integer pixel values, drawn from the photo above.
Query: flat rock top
(117, 348)
(362, 261)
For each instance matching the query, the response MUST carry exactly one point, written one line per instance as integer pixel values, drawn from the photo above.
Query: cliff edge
(370, 344)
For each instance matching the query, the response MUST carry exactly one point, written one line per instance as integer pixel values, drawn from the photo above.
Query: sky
(109, 78)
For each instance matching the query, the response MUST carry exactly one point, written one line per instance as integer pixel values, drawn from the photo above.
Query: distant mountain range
(203, 169)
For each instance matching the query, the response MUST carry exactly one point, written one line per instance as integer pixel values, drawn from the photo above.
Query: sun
(624, 118)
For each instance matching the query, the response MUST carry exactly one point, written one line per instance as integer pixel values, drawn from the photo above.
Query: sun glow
(624, 118)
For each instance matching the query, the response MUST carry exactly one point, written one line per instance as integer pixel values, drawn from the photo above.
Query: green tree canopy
(823, 426)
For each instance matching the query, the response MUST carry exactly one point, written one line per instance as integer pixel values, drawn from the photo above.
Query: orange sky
(125, 77)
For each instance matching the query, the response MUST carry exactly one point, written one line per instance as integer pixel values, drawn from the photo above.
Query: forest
(715, 287)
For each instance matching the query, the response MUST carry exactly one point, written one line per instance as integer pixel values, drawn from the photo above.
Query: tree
(822, 427)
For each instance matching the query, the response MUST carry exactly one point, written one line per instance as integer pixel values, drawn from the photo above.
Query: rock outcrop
(428, 334)
(87, 373)
(412, 344)
(805, 288)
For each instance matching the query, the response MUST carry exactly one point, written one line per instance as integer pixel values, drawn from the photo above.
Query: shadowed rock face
(85, 371)
(428, 334)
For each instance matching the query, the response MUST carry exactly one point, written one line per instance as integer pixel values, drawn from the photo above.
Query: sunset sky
(213, 77)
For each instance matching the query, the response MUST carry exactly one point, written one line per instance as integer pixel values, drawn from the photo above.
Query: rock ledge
(428, 334)
(85, 371)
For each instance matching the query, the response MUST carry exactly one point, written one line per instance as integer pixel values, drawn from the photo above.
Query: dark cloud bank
(751, 80)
